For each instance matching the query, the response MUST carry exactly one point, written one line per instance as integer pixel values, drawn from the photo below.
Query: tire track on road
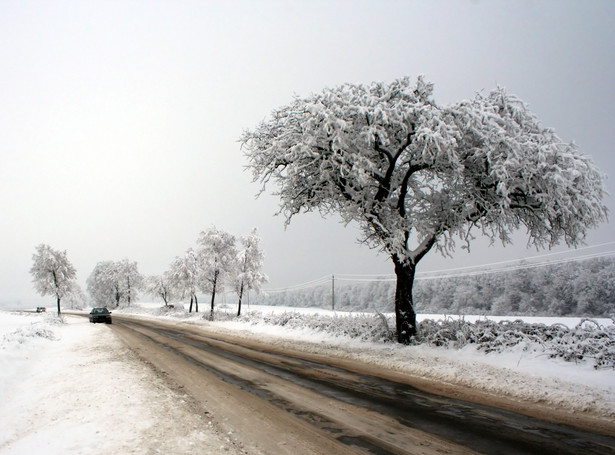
(366, 413)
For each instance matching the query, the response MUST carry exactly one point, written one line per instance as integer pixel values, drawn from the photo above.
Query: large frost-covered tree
(217, 253)
(248, 267)
(52, 273)
(416, 176)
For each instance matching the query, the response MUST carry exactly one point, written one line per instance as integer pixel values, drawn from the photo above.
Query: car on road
(100, 315)
(41, 309)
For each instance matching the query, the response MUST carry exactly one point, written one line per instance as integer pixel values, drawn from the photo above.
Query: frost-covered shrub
(587, 341)
(363, 327)
(173, 309)
(25, 334)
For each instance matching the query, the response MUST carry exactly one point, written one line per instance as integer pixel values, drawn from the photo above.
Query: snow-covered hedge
(364, 327)
(587, 341)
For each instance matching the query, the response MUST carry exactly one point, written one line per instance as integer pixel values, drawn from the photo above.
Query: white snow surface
(71, 387)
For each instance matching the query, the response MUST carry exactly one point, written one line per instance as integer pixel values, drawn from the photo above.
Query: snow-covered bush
(173, 309)
(40, 328)
(364, 327)
(587, 341)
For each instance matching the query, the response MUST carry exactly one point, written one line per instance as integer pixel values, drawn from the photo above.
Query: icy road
(280, 402)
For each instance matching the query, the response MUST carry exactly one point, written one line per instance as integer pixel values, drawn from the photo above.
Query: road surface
(278, 402)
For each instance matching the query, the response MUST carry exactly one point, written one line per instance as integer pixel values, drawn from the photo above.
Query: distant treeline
(579, 288)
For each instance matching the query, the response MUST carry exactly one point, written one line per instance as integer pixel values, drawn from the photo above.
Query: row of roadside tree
(215, 264)
(218, 262)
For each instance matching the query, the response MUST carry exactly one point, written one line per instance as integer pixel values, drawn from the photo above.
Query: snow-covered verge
(71, 387)
(521, 371)
(588, 340)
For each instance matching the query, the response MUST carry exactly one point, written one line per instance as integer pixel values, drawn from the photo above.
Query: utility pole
(333, 292)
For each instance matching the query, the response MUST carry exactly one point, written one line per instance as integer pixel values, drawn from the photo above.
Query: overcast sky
(119, 120)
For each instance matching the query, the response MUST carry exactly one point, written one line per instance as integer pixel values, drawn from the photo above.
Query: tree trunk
(196, 304)
(213, 295)
(55, 282)
(240, 296)
(190, 308)
(404, 306)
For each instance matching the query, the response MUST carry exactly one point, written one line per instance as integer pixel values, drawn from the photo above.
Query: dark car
(100, 315)
(41, 309)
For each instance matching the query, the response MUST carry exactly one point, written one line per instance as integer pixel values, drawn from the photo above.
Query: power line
(297, 287)
(494, 267)
(446, 272)
(510, 261)
(519, 267)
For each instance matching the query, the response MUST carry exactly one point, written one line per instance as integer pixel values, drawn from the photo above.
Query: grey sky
(119, 120)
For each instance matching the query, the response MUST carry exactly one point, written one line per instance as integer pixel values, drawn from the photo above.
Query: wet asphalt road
(468, 426)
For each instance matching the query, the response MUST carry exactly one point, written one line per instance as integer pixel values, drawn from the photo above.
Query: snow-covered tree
(129, 279)
(248, 266)
(52, 273)
(416, 176)
(159, 286)
(101, 285)
(595, 288)
(184, 276)
(217, 254)
(75, 299)
(114, 281)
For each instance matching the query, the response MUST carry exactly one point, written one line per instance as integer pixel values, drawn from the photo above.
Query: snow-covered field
(72, 387)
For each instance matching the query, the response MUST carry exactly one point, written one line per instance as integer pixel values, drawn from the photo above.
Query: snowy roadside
(74, 388)
(518, 374)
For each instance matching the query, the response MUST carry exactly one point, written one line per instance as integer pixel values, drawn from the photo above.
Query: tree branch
(424, 248)
(403, 191)
(385, 184)
(407, 142)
